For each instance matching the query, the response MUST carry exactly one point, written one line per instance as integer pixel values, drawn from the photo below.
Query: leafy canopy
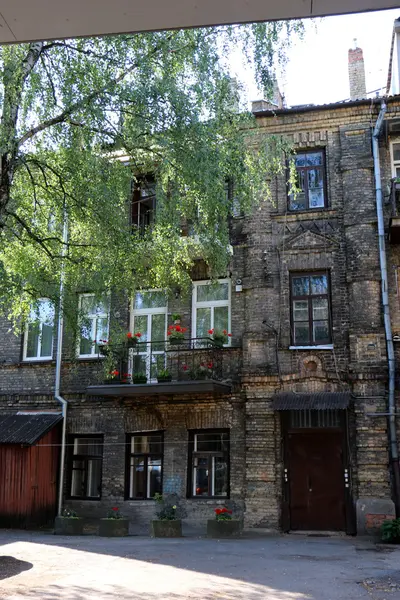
(82, 118)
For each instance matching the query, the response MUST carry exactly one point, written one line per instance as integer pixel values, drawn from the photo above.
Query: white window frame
(394, 164)
(93, 318)
(26, 358)
(137, 312)
(210, 304)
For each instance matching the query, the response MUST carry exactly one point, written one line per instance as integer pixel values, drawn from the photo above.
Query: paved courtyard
(35, 566)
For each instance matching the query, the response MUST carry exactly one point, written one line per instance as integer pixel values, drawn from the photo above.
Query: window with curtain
(311, 179)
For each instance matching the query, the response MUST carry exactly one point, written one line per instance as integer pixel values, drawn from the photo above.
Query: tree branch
(68, 112)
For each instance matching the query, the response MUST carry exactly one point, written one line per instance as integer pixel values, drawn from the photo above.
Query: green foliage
(166, 511)
(82, 118)
(68, 513)
(390, 531)
(114, 514)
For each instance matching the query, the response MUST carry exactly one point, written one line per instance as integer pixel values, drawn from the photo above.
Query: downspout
(60, 399)
(394, 451)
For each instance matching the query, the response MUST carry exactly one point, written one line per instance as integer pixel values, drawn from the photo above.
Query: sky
(317, 69)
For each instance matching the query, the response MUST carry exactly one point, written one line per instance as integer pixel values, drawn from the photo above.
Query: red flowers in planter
(136, 335)
(223, 514)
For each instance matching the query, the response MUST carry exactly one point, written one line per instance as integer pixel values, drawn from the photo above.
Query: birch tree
(83, 119)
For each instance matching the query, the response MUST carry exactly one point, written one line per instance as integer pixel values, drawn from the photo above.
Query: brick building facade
(296, 421)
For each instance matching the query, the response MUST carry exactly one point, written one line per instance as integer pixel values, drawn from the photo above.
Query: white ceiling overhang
(25, 20)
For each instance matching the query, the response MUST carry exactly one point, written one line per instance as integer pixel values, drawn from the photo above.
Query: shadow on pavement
(10, 566)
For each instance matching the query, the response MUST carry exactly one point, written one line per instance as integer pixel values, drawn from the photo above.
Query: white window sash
(37, 357)
(93, 317)
(395, 164)
(147, 312)
(212, 304)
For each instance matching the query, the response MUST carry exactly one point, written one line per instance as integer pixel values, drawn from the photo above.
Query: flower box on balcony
(165, 379)
(139, 379)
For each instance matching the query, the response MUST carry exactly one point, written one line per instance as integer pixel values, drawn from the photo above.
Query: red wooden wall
(28, 482)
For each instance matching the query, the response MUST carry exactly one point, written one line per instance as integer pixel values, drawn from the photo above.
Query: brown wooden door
(316, 483)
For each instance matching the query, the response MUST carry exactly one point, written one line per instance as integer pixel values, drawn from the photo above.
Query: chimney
(358, 89)
(275, 102)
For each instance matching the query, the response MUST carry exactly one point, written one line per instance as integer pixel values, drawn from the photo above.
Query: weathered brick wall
(267, 246)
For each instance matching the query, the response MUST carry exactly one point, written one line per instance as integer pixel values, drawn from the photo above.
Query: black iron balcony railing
(166, 361)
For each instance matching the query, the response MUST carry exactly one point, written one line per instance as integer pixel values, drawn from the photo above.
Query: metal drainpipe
(394, 451)
(60, 399)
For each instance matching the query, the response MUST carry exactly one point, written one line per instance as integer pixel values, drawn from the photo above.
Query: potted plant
(126, 378)
(202, 371)
(139, 378)
(114, 525)
(390, 531)
(176, 317)
(223, 526)
(68, 523)
(167, 524)
(113, 377)
(219, 337)
(104, 348)
(164, 376)
(176, 334)
(132, 339)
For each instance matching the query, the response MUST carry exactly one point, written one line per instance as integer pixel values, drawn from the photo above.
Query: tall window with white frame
(395, 155)
(211, 307)
(149, 317)
(144, 460)
(38, 338)
(310, 309)
(94, 323)
(209, 463)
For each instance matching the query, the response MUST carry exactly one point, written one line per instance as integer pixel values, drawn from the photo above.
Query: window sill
(29, 361)
(321, 347)
(90, 357)
(83, 499)
(209, 499)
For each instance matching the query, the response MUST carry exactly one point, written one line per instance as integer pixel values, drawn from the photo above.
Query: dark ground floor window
(144, 465)
(86, 457)
(209, 464)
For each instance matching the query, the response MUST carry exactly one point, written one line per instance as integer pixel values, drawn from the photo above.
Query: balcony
(394, 223)
(162, 368)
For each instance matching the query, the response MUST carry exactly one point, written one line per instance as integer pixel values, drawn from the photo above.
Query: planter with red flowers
(176, 334)
(132, 339)
(113, 377)
(224, 525)
(114, 525)
(220, 337)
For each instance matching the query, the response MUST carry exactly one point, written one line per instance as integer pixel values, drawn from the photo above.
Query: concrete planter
(113, 527)
(171, 529)
(223, 529)
(68, 526)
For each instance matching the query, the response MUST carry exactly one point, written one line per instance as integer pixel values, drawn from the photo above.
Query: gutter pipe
(394, 451)
(57, 396)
